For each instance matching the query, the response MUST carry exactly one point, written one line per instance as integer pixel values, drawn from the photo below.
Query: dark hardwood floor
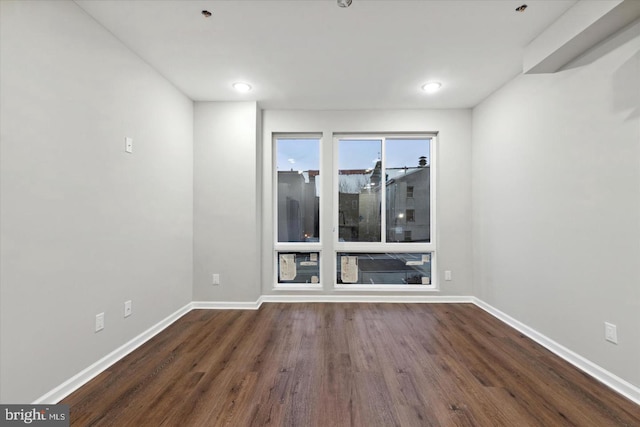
(346, 365)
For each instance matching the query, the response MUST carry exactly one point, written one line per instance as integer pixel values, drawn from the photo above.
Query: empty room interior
(322, 212)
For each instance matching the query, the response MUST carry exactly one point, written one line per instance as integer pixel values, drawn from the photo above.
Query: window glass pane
(298, 169)
(384, 268)
(359, 183)
(408, 210)
(298, 267)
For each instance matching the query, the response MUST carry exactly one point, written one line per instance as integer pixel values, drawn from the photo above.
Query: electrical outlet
(215, 281)
(99, 322)
(447, 275)
(610, 332)
(127, 308)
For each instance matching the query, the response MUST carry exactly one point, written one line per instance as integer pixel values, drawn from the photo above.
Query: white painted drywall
(226, 204)
(85, 226)
(453, 205)
(556, 200)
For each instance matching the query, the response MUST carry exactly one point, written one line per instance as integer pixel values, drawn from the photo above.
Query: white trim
(407, 299)
(72, 384)
(609, 379)
(390, 247)
(383, 191)
(226, 305)
(297, 247)
(433, 196)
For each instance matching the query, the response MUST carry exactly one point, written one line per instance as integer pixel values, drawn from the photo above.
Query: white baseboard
(614, 382)
(86, 375)
(226, 305)
(408, 299)
(250, 305)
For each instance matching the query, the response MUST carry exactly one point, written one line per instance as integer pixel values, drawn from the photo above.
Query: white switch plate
(99, 322)
(610, 332)
(128, 145)
(215, 280)
(127, 308)
(447, 275)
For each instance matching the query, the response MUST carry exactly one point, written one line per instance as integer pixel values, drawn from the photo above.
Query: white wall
(226, 202)
(556, 199)
(85, 226)
(453, 205)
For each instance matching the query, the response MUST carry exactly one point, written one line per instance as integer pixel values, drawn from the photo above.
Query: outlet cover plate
(99, 322)
(610, 332)
(128, 145)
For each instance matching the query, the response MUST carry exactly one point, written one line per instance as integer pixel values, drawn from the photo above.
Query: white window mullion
(383, 193)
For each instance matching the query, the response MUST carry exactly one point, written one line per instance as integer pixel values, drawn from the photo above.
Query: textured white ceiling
(312, 54)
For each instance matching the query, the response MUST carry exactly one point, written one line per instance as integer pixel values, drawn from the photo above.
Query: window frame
(296, 246)
(386, 287)
(383, 246)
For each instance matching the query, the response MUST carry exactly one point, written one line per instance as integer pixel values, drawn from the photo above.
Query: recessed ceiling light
(431, 87)
(344, 3)
(242, 87)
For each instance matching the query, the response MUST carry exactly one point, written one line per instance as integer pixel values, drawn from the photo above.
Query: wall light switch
(127, 308)
(610, 332)
(215, 280)
(128, 145)
(447, 275)
(99, 322)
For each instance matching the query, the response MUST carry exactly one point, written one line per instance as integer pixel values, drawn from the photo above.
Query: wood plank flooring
(346, 365)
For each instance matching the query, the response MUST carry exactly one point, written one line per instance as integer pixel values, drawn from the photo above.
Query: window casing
(378, 197)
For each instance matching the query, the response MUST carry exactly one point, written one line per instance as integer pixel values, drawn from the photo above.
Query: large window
(384, 211)
(369, 226)
(297, 211)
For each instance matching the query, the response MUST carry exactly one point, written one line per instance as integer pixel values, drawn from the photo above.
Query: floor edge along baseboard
(81, 378)
(607, 378)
